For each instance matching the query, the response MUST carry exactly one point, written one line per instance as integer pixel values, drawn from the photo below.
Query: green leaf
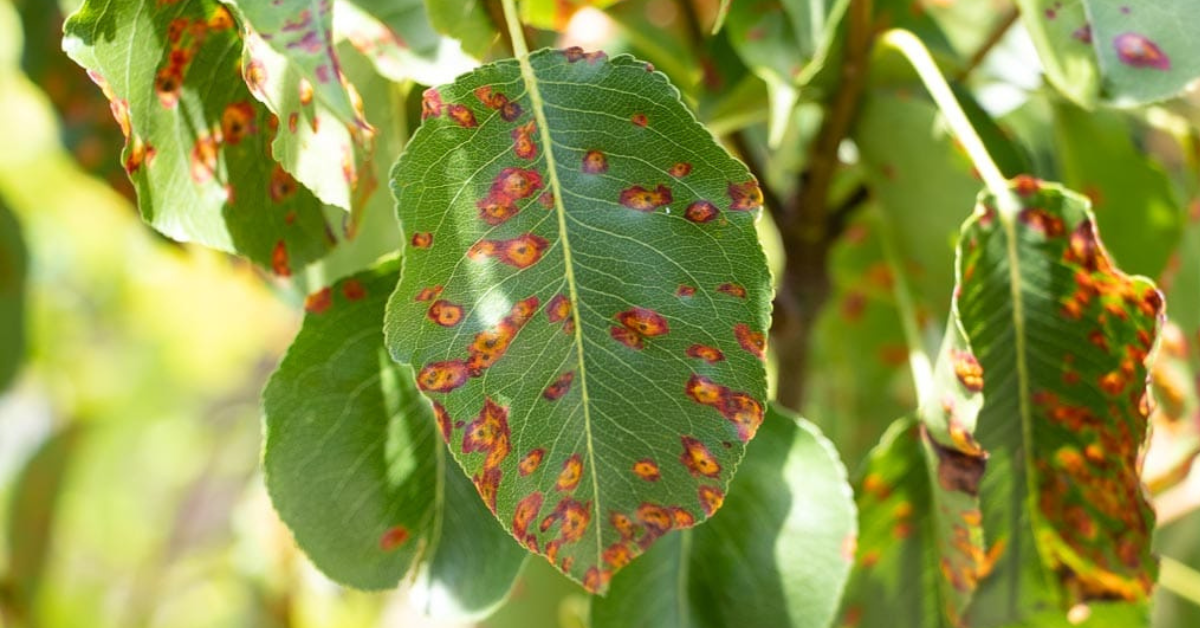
(788, 42)
(1132, 197)
(301, 31)
(355, 468)
(1125, 54)
(1061, 338)
(13, 268)
(466, 21)
(197, 146)
(585, 295)
(778, 554)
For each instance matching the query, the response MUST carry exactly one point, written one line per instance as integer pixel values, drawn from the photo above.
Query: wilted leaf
(1060, 339)
(355, 468)
(585, 297)
(778, 554)
(198, 146)
(1122, 53)
(13, 263)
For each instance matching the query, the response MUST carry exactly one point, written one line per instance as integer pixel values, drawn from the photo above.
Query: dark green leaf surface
(198, 146)
(585, 296)
(1124, 53)
(355, 467)
(777, 555)
(788, 42)
(1061, 338)
(14, 260)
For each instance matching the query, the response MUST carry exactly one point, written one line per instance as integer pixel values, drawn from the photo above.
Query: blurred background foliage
(130, 487)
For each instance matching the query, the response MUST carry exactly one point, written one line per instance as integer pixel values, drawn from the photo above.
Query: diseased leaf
(301, 31)
(355, 469)
(1125, 54)
(1131, 196)
(778, 554)
(197, 147)
(585, 298)
(1060, 339)
(13, 268)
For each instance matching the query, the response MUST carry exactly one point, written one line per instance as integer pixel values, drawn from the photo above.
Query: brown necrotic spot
(627, 337)
(1043, 222)
(711, 499)
(279, 260)
(461, 115)
(511, 111)
(594, 162)
(488, 485)
(646, 469)
(698, 460)
(641, 199)
(753, 341)
(639, 119)
(282, 185)
(709, 354)
(732, 289)
(445, 313)
(319, 301)
(442, 376)
(393, 538)
(353, 290)
(559, 387)
(570, 475)
(422, 240)
(745, 196)
(957, 471)
(531, 461)
(685, 291)
(701, 211)
(445, 424)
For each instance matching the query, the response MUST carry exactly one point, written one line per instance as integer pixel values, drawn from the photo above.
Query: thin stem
(916, 53)
(1179, 579)
(918, 359)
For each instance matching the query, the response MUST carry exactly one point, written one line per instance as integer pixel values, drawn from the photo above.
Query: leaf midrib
(539, 113)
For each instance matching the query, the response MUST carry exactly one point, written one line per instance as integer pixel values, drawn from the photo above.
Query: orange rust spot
(732, 289)
(282, 186)
(204, 159)
(643, 200)
(681, 518)
(1044, 222)
(706, 392)
(646, 469)
(293, 122)
(520, 252)
(575, 53)
(489, 434)
(515, 184)
(968, 370)
(461, 115)
(875, 485)
(306, 92)
(711, 499)
(445, 423)
(745, 196)
(442, 376)
(546, 199)
(1097, 338)
(655, 518)
(422, 240)
(685, 291)
(490, 98)
(709, 354)
(745, 412)
(570, 475)
(558, 309)
(700, 212)
(353, 290)
(496, 210)
(525, 513)
(594, 162)
(698, 459)
(624, 525)
(1114, 382)
(753, 341)
(139, 153)
(617, 555)
(573, 517)
(523, 144)
(279, 260)
(319, 301)
(488, 485)
(445, 313)
(1026, 185)
(237, 121)
(644, 322)
(639, 119)
(431, 104)
(531, 461)
(594, 579)
(681, 169)
(428, 294)
(627, 337)
(393, 538)
(559, 387)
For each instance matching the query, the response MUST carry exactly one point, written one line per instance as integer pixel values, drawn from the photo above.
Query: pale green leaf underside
(356, 470)
(577, 317)
(778, 554)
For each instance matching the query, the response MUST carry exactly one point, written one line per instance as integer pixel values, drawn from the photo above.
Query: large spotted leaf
(1060, 339)
(585, 300)
(356, 469)
(198, 145)
(778, 555)
(1124, 53)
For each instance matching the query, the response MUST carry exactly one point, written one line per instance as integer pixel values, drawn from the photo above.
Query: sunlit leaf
(198, 145)
(778, 554)
(1060, 339)
(1122, 53)
(585, 297)
(13, 267)
(355, 467)
(397, 37)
